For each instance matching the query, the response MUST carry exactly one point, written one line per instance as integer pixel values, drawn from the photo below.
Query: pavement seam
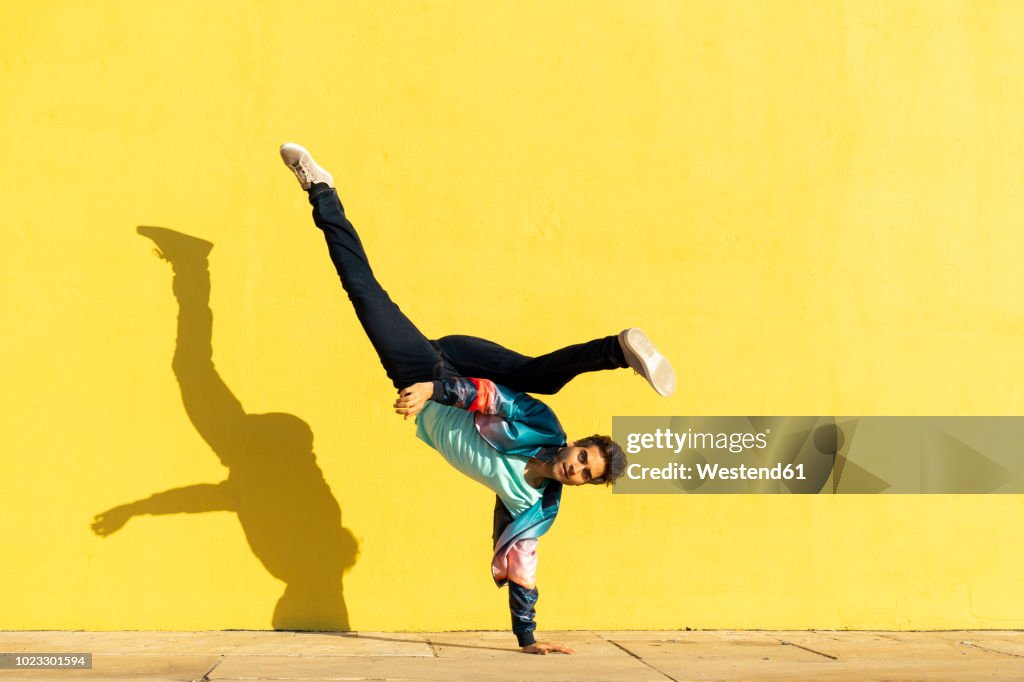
(649, 665)
(206, 675)
(799, 646)
(430, 643)
(994, 651)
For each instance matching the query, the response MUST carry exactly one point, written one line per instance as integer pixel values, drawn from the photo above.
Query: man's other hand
(412, 398)
(544, 648)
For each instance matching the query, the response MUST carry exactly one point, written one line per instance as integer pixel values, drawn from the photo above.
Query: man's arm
(522, 598)
(515, 423)
(522, 607)
(486, 397)
(473, 395)
(521, 604)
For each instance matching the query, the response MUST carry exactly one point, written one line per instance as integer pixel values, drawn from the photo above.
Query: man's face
(576, 465)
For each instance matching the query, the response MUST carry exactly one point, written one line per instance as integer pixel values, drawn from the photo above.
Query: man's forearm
(522, 606)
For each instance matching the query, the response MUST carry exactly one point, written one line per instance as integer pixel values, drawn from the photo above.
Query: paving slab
(233, 642)
(818, 655)
(854, 646)
(702, 655)
(483, 656)
(488, 645)
(1009, 642)
(871, 671)
(380, 644)
(688, 635)
(706, 647)
(549, 668)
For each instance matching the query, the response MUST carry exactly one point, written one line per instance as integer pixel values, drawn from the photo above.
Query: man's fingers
(554, 646)
(407, 411)
(410, 401)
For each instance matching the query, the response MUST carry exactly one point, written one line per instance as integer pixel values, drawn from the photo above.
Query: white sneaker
(302, 164)
(645, 359)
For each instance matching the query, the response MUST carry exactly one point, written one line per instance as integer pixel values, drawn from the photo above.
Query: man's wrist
(525, 638)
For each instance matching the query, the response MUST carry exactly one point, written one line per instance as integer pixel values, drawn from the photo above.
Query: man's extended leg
(407, 355)
(548, 373)
(545, 374)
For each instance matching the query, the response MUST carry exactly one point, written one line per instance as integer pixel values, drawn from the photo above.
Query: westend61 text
(709, 472)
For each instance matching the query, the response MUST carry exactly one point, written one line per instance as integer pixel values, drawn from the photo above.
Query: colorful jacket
(513, 423)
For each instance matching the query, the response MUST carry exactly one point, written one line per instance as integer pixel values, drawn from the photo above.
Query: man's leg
(545, 374)
(407, 355)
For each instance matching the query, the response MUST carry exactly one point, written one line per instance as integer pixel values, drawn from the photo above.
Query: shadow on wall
(288, 513)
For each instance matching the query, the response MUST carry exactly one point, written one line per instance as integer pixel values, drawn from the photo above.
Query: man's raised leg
(407, 355)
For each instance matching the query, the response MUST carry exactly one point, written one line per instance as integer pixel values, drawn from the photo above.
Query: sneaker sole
(656, 368)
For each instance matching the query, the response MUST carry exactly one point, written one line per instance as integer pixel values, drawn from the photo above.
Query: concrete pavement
(492, 656)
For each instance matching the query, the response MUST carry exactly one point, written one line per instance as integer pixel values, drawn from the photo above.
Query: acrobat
(469, 397)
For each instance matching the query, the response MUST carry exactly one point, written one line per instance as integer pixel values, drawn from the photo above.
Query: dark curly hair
(614, 458)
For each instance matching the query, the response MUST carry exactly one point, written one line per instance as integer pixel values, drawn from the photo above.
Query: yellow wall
(813, 207)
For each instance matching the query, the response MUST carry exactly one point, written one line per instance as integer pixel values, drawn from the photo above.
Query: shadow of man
(287, 511)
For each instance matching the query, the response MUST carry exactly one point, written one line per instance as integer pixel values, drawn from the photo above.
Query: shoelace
(304, 175)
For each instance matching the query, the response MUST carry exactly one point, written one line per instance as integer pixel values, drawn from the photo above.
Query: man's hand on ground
(543, 648)
(412, 398)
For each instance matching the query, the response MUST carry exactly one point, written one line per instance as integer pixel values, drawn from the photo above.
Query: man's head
(595, 459)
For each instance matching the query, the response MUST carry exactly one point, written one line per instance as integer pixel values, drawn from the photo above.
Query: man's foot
(175, 246)
(645, 359)
(305, 168)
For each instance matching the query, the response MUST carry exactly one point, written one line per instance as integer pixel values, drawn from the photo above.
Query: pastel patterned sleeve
(518, 422)
(522, 589)
(476, 395)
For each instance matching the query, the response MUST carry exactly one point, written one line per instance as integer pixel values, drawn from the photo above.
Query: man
(470, 399)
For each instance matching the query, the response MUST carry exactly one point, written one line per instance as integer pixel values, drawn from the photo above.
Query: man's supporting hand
(412, 398)
(543, 648)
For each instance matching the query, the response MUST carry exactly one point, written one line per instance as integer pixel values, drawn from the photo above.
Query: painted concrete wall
(812, 207)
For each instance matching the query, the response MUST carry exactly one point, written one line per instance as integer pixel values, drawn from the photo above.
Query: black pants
(409, 357)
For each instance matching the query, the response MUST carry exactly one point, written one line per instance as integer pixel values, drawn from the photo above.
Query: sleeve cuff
(525, 638)
(438, 391)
